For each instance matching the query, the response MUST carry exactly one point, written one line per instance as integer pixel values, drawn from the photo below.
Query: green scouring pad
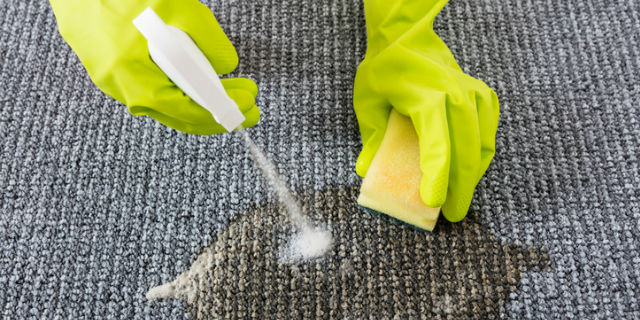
(392, 183)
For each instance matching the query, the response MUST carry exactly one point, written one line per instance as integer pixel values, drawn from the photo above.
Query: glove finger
(465, 158)
(372, 128)
(373, 115)
(241, 83)
(204, 29)
(244, 91)
(488, 117)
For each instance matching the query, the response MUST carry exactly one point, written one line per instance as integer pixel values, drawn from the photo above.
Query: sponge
(392, 183)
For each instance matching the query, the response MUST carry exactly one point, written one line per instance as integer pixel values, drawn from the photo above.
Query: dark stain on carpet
(377, 268)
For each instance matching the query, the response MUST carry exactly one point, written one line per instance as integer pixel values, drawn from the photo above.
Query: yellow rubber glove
(117, 58)
(409, 68)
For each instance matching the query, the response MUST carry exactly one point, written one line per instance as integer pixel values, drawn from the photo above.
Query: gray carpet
(98, 206)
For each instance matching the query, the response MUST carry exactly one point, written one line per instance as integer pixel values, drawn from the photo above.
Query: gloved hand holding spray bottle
(117, 58)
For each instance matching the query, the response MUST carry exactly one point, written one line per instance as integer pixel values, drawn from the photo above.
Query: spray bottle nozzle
(182, 61)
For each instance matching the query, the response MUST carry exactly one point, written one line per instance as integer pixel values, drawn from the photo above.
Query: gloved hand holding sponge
(409, 69)
(432, 149)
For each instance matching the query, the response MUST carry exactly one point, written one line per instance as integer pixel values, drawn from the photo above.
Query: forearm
(406, 23)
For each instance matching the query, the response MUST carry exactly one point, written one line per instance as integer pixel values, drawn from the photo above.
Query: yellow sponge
(392, 183)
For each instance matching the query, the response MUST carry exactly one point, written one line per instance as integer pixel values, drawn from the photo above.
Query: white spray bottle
(183, 62)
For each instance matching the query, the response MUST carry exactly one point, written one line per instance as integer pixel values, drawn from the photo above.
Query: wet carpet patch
(377, 268)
